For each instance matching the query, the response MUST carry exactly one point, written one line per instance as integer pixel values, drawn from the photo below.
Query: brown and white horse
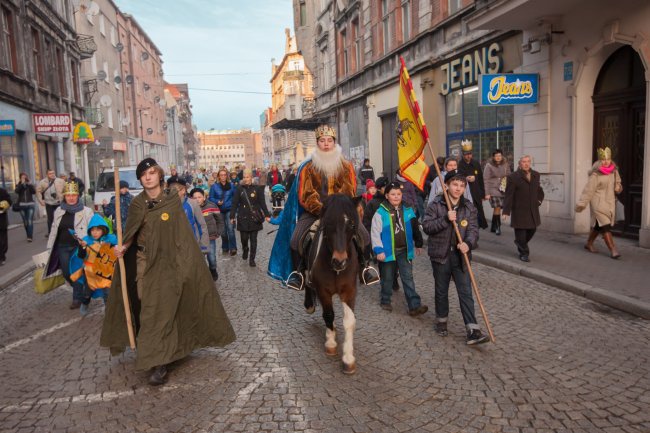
(335, 270)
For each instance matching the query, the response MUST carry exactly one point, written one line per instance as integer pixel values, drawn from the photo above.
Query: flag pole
(118, 230)
(465, 256)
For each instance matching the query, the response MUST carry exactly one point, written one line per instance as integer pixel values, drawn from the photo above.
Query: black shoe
(524, 258)
(215, 274)
(386, 307)
(233, 252)
(296, 281)
(476, 337)
(244, 255)
(418, 311)
(158, 375)
(441, 329)
(251, 263)
(75, 304)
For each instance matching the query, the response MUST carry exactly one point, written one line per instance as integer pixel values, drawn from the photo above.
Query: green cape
(180, 308)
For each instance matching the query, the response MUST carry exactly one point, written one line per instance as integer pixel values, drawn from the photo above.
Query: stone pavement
(560, 260)
(561, 364)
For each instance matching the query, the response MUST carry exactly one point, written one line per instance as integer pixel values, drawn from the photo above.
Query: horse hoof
(330, 351)
(310, 310)
(349, 368)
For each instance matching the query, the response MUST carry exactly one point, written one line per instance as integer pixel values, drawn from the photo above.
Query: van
(105, 188)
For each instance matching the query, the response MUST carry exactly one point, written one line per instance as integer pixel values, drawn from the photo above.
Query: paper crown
(325, 131)
(71, 188)
(605, 153)
(466, 145)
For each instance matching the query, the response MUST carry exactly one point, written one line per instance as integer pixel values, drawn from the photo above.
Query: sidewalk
(560, 260)
(19, 257)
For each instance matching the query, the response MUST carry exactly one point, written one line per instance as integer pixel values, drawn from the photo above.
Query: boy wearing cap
(396, 236)
(445, 252)
(125, 201)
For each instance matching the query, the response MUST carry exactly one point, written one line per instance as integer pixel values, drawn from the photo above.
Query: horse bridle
(321, 235)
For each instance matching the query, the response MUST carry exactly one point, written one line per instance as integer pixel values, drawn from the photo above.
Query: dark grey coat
(523, 199)
(441, 230)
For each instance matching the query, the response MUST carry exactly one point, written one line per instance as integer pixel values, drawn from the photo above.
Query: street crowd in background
(219, 203)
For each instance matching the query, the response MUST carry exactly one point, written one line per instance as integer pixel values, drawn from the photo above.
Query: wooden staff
(460, 240)
(125, 293)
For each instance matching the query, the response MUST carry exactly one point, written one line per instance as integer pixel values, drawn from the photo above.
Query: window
(60, 72)
(74, 71)
(120, 127)
(406, 21)
(109, 117)
(105, 69)
(357, 45)
(36, 57)
(455, 6)
(344, 51)
(8, 42)
(102, 25)
(93, 64)
(113, 36)
(303, 14)
(385, 25)
(49, 70)
(293, 111)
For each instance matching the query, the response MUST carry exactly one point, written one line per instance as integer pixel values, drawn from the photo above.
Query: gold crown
(466, 145)
(325, 131)
(605, 153)
(71, 188)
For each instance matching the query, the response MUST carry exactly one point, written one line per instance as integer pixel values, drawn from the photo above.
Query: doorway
(619, 123)
(389, 142)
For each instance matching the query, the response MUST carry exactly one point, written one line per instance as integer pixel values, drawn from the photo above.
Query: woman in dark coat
(27, 204)
(247, 202)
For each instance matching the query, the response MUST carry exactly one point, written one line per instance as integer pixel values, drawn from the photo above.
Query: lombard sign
(508, 89)
(463, 71)
(52, 122)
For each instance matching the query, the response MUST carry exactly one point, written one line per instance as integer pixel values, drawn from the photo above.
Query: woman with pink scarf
(600, 193)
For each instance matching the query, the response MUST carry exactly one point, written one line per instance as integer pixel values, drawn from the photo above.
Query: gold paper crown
(466, 145)
(605, 153)
(71, 188)
(325, 131)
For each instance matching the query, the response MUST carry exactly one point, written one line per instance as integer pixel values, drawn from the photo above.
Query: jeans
(228, 239)
(80, 292)
(27, 214)
(522, 237)
(212, 255)
(442, 274)
(420, 207)
(405, 267)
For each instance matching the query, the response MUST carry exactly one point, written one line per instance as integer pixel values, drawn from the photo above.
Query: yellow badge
(164, 216)
(463, 223)
(253, 194)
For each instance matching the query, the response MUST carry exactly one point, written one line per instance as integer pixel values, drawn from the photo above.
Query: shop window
(488, 128)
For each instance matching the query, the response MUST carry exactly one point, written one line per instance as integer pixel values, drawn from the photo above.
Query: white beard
(328, 163)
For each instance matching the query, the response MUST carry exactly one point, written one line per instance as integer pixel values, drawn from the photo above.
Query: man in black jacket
(5, 204)
(473, 172)
(523, 197)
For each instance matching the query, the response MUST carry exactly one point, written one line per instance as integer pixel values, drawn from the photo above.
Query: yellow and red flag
(412, 133)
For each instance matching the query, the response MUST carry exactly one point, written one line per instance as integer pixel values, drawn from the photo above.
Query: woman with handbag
(600, 193)
(494, 175)
(26, 204)
(250, 211)
(70, 223)
(5, 203)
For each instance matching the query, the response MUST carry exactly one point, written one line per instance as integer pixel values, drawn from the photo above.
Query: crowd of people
(189, 212)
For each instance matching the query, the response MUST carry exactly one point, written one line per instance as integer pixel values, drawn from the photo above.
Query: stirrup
(294, 286)
(373, 278)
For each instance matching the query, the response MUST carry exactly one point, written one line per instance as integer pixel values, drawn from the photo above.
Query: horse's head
(339, 222)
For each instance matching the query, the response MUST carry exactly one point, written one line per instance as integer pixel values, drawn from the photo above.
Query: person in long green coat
(175, 307)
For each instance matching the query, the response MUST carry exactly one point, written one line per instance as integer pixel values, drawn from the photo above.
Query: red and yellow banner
(412, 134)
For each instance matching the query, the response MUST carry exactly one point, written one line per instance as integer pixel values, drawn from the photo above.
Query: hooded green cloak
(180, 309)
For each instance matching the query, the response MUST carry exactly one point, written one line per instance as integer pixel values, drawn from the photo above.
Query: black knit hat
(454, 174)
(197, 190)
(145, 165)
(124, 184)
(381, 182)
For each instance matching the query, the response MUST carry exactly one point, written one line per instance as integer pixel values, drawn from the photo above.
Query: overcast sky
(235, 38)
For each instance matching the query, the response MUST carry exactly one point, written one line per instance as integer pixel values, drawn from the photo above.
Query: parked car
(105, 188)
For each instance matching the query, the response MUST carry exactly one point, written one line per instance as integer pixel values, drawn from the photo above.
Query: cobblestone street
(560, 364)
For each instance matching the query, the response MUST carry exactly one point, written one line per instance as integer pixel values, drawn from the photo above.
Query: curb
(620, 302)
(11, 277)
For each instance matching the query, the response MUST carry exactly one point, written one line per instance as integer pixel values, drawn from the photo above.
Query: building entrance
(619, 123)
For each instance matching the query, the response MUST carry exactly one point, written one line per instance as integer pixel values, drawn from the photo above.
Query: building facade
(188, 152)
(228, 149)
(39, 73)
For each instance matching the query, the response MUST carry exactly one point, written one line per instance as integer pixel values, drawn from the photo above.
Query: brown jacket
(313, 189)
(600, 193)
(523, 199)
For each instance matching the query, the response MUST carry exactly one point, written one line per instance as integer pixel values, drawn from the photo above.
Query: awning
(524, 14)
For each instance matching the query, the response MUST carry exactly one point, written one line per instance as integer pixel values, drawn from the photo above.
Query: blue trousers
(27, 214)
(405, 267)
(442, 273)
(212, 254)
(80, 292)
(228, 239)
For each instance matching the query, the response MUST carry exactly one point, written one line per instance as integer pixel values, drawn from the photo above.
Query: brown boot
(589, 246)
(609, 241)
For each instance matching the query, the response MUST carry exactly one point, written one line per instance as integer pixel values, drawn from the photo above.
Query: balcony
(93, 116)
(308, 107)
(86, 45)
(293, 75)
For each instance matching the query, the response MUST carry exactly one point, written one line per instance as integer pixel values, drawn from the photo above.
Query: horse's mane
(339, 203)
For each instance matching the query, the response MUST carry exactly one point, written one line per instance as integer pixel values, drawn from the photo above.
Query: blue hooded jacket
(98, 221)
(218, 193)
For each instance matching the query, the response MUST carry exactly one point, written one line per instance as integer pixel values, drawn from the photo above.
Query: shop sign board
(508, 89)
(463, 71)
(52, 122)
(83, 134)
(7, 128)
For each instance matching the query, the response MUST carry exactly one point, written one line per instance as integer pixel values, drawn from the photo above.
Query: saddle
(305, 249)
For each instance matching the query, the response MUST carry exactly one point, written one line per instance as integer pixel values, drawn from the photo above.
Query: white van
(105, 188)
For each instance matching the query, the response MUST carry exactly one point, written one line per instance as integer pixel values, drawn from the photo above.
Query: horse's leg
(309, 300)
(330, 332)
(349, 323)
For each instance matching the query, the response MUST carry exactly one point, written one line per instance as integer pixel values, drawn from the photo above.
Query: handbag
(15, 207)
(257, 214)
(43, 285)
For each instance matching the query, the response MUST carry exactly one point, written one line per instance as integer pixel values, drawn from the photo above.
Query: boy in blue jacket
(445, 252)
(396, 238)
